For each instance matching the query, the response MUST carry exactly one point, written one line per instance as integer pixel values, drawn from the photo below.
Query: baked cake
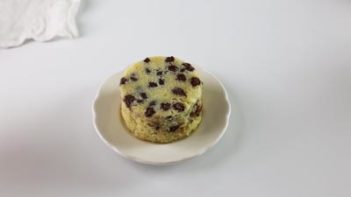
(161, 99)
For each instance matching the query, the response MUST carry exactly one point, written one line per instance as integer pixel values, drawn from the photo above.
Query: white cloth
(39, 20)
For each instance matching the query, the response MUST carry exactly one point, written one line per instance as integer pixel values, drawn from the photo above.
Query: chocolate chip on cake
(179, 106)
(178, 91)
(161, 81)
(128, 100)
(172, 68)
(174, 128)
(149, 112)
(143, 95)
(181, 77)
(152, 84)
(169, 59)
(147, 60)
(133, 77)
(140, 101)
(159, 73)
(165, 106)
(182, 70)
(195, 81)
(196, 110)
(123, 80)
(188, 67)
(152, 103)
(147, 70)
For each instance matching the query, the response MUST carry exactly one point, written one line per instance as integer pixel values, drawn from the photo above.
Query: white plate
(110, 127)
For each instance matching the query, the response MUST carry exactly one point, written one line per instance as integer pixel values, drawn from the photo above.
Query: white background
(285, 63)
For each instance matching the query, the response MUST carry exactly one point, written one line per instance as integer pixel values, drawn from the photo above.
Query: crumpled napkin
(40, 20)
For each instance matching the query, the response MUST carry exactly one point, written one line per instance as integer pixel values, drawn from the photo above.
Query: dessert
(162, 99)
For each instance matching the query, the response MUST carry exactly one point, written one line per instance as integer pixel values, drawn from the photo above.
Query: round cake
(161, 99)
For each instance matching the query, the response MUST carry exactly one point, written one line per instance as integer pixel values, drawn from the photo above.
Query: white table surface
(286, 65)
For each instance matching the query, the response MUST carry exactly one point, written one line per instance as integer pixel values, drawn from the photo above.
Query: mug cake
(162, 99)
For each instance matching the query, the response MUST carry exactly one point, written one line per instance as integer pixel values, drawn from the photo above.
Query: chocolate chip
(157, 127)
(182, 70)
(181, 77)
(195, 81)
(129, 99)
(179, 106)
(161, 81)
(178, 91)
(123, 80)
(165, 106)
(169, 59)
(149, 112)
(152, 103)
(196, 111)
(143, 95)
(133, 77)
(147, 70)
(172, 68)
(140, 101)
(147, 60)
(159, 73)
(152, 84)
(188, 66)
(173, 128)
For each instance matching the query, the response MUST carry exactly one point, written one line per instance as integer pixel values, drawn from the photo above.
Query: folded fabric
(39, 20)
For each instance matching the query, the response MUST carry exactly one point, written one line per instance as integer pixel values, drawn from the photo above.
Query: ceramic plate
(110, 127)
